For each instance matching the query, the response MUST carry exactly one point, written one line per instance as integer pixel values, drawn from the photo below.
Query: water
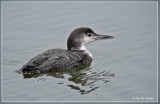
(124, 68)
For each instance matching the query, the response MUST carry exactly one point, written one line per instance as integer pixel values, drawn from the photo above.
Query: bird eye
(89, 34)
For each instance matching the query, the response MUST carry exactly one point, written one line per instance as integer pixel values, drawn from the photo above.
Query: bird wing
(62, 62)
(55, 59)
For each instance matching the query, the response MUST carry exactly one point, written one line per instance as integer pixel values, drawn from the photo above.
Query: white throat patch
(86, 51)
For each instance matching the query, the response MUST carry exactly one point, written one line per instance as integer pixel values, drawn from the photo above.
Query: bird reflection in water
(84, 81)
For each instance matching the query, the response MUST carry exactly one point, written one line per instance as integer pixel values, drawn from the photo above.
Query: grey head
(81, 36)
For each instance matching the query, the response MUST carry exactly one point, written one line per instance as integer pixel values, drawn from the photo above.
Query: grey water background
(123, 68)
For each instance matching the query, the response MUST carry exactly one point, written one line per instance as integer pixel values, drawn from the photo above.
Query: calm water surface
(123, 68)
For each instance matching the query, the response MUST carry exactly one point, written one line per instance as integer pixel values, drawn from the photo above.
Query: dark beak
(99, 37)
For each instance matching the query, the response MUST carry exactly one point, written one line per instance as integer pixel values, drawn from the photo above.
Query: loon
(60, 59)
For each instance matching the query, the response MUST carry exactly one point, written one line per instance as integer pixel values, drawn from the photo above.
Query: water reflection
(84, 81)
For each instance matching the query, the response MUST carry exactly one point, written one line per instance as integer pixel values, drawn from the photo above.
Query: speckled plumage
(56, 59)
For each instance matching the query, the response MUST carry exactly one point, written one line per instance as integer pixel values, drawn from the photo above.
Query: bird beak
(99, 37)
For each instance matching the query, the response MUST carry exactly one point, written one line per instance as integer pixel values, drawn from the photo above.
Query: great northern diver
(60, 59)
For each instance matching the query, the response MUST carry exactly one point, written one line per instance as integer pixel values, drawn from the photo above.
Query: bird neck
(83, 48)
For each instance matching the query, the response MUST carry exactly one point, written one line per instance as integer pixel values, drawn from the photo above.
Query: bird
(74, 57)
